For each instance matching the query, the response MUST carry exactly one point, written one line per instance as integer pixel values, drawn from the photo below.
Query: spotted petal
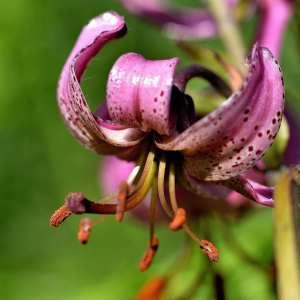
(139, 93)
(250, 189)
(93, 132)
(231, 139)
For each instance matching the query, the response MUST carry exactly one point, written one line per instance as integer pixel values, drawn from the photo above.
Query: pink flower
(148, 118)
(275, 15)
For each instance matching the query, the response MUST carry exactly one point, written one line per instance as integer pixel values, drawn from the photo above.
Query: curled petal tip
(231, 139)
(90, 130)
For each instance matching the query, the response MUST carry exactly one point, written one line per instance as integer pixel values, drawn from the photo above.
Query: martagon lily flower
(148, 118)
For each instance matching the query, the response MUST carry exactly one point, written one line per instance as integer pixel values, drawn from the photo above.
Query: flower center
(153, 172)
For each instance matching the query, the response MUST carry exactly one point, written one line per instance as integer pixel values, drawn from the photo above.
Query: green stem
(229, 32)
(286, 254)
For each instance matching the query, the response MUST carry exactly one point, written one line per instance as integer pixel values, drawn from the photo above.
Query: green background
(40, 163)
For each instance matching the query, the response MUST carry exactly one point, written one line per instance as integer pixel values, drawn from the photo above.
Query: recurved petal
(231, 139)
(248, 188)
(252, 190)
(92, 132)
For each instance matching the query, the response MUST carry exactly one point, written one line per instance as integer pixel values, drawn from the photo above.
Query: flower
(180, 24)
(275, 15)
(148, 118)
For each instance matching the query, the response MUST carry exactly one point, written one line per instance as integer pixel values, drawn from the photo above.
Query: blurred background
(41, 162)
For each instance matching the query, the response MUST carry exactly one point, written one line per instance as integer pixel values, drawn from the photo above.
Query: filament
(152, 210)
(161, 187)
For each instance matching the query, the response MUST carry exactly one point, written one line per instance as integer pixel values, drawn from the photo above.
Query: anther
(210, 250)
(122, 199)
(149, 254)
(178, 220)
(60, 215)
(153, 289)
(84, 230)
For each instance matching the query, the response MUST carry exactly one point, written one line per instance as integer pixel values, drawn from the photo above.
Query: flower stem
(229, 32)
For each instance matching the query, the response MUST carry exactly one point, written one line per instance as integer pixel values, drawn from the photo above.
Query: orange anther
(60, 215)
(153, 289)
(178, 220)
(149, 254)
(122, 198)
(84, 230)
(147, 259)
(210, 250)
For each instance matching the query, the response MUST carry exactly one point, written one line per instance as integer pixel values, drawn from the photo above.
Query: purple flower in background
(148, 118)
(182, 24)
(274, 18)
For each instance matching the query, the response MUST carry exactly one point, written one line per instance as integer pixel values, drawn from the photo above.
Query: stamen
(152, 210)
(153, 289)
(161, 187)
(210, 250)
(153, 240)
(180, 214)
(122, 198)
(60, 215)
(84, 231)
(148, 257)
(206, 246)
(178, 220)
(144, 182)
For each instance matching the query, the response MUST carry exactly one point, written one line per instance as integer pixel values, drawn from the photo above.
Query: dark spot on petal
(250, 148)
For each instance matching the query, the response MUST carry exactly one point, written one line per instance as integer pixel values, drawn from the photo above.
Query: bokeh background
(40, 163)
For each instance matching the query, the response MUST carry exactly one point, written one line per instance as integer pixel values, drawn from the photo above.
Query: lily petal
(231, 139)
(250, 189)
(92, 132)
(139, 93)
(180, 24)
